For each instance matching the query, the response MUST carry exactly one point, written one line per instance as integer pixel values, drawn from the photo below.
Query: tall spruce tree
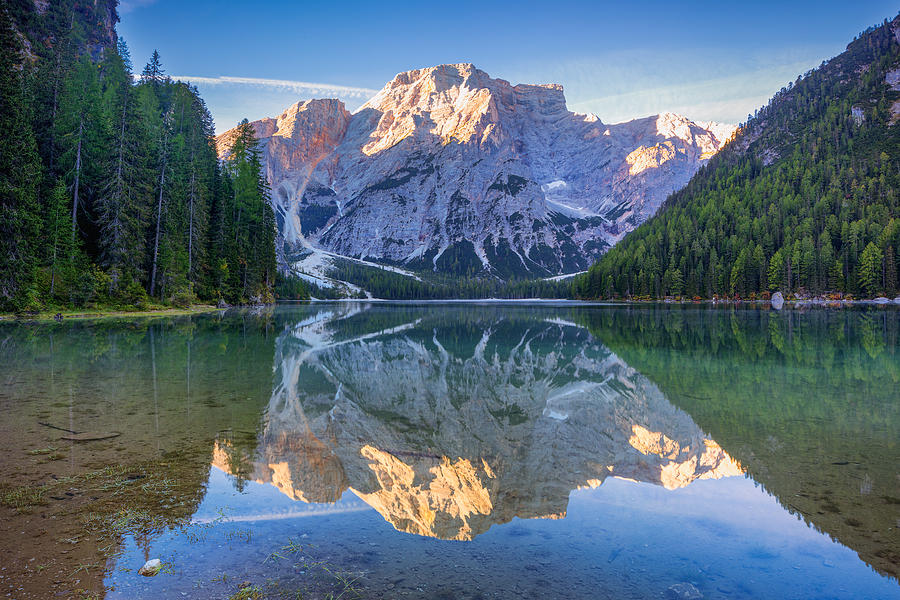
(126, 181)
(79, 134)
(20, 174)
(60, 249)
(250, 245)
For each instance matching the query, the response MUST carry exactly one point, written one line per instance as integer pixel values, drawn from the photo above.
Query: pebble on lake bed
(151, 567)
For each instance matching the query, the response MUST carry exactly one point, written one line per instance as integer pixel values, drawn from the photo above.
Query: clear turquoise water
(468, 450)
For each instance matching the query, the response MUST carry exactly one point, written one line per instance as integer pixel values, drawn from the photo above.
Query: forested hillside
(805, 198)
(110, 188)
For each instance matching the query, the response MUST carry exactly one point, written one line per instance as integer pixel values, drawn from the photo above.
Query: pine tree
(62, 26)
(60, 249)
(79, 134)
(890, 271)
(131, 188)
(251, 233)
(165, 149)
(153, 72)
(20, 174)
(126, 186)
(870, 270)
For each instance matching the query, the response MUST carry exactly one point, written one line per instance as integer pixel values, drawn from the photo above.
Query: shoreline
(83, 315)
(600, 302)
(100, 313)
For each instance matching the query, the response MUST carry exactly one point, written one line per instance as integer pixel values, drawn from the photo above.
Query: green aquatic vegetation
(52, 457)
(239, 534)
(42, 451)
(49, 454)
(24, 497)
(252, 592)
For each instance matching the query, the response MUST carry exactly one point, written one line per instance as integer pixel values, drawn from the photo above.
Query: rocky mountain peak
(297, 119)
(456, 102)
(447, 168)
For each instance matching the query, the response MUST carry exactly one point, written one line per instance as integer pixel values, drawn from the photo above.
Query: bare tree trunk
(191, 227)
(77, 178)
(55, 244)
(57, 79)
(120, 183)
(789, 275)
(162, 185)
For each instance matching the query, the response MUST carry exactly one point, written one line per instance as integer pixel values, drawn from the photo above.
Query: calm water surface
(454, 451)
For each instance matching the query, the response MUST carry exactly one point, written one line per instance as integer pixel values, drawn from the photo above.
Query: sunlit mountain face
(447, 430)
(448, 169)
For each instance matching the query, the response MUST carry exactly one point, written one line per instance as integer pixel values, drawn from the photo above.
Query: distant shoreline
(598, 302)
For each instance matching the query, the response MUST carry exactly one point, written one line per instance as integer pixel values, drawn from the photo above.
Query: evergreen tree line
(805, 198)
(110, 186)
(385, 284)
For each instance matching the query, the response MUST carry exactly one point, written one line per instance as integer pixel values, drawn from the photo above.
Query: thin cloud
(306, 88)
(727, 99)
(127, 6)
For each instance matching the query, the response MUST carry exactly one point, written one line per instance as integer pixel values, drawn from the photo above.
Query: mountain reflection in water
(447, 424)
(764, 446)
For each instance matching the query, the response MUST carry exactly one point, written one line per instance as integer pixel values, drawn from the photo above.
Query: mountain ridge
(804, 200)
(451, 170)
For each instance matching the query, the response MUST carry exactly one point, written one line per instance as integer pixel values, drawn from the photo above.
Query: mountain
(42, 26)
(448, 169)
(463, 428)
(806, 198)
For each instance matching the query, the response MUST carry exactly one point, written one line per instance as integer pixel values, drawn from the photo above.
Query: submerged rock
(150, 568)
(91, 436)
(683, 591)
(777, 301)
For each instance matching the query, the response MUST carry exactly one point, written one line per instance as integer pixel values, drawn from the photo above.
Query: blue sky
(620, 60)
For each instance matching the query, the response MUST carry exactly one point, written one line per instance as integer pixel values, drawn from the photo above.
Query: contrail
(301, 87)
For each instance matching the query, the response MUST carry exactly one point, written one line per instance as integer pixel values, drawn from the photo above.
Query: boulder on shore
(777, 301)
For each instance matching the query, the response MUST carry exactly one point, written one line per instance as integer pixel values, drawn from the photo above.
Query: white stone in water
(881, 300)
(683, 591)
(151, 567)
(897, 300)
(777, 300)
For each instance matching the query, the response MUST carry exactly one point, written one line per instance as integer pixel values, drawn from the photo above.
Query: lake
(454, 450)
